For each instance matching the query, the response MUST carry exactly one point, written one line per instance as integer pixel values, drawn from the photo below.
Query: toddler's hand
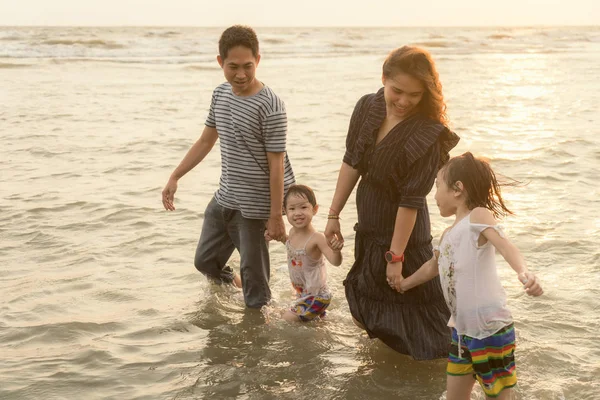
(267, 237)
(336, 244)
(531, 284)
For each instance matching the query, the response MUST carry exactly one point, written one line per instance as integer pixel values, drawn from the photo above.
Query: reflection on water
(247, 355)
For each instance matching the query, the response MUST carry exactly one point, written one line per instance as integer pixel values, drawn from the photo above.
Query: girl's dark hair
(479, 181)
(238, 35)
(302, 191)
(418, 63)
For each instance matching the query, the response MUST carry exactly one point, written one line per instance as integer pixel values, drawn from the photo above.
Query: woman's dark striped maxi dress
(397, 172)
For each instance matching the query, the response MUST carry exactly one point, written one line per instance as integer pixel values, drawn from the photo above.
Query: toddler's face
(299, 211)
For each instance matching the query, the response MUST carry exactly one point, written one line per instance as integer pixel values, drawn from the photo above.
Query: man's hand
(168, 194)
(276, 229)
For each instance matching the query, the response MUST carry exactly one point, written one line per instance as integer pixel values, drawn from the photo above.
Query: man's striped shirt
(248, 128)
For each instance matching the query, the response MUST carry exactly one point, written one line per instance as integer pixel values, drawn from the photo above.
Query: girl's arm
(333, 255)
(425, 273)
(507, 249)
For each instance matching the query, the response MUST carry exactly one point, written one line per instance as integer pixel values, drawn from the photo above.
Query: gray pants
(223, 230)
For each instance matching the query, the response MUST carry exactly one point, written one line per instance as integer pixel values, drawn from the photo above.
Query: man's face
(239, 67)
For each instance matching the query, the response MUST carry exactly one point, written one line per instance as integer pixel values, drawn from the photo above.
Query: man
(251, 123)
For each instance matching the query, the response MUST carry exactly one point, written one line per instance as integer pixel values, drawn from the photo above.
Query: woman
(397, 141)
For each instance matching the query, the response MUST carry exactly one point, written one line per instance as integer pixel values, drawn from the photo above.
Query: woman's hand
(333, 233)
(393, 274)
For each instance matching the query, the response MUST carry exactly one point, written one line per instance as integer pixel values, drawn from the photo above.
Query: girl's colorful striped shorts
(490, 360)
(310, 307)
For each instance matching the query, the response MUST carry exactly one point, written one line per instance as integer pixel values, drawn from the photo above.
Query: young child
(306, 250)
(483, 335)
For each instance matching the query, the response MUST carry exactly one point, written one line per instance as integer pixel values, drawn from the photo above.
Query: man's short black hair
(238, 35)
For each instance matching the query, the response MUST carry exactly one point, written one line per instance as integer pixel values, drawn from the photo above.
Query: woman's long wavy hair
(479, 182)
(418, 63)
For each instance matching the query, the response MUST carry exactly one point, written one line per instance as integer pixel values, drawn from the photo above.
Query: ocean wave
(500, 36)
(166, 34)
(575, 39)
(274, 40)
(355, 36)
(14, 65)
(338, 45)
(43, 152)
(428, 43)
(201, 67)
(68, 60)
(114, 296)
(132, 61)
(48, 333)
(92, 43)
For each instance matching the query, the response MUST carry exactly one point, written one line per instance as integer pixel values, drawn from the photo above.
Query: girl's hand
(333, 232)
(336, 244)
(393, 273)
(402, 287)
(531, 284)
(267, 237)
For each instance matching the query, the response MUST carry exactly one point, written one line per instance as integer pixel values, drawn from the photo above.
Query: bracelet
(333, 216)
(334, 211)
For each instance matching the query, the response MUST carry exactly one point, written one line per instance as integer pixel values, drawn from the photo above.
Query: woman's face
(402, 94)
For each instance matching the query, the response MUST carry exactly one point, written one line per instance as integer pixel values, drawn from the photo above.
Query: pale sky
(286, 13)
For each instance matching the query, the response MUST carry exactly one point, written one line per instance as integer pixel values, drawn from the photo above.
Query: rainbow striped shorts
(310, 307)
(490, 360)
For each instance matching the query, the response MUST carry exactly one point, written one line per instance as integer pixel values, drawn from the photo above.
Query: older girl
(483, 334)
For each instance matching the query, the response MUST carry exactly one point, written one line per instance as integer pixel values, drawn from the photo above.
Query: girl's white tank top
(470, 281)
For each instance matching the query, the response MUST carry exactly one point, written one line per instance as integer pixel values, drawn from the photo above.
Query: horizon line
(301, 26)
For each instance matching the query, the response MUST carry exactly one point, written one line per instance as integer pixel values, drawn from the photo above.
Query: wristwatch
(390, 257)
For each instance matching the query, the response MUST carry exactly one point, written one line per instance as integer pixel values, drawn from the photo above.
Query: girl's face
(402, 93)
(299, 211)
(447, 198)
